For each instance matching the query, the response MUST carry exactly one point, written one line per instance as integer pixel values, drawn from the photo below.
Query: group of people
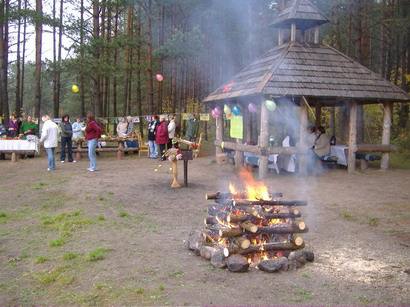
(19, 127)
(49, 138)
(160, 135)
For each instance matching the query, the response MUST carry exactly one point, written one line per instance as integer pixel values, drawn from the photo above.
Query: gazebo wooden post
(387, 110)
(351, 160)
(264, 141)
(219, 134)
(303, 120)
(318, 115)
(238, 156)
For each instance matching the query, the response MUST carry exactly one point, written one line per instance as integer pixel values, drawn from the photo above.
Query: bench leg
(14, 157)
(364, 164)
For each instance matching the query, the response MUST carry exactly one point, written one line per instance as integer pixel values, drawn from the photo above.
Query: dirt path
(116, 237)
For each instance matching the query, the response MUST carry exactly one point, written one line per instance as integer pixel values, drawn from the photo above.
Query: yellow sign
(237, 127)
(185, 116)
(204, 117)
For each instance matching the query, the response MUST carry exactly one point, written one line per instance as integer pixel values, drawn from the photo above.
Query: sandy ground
(359, 231)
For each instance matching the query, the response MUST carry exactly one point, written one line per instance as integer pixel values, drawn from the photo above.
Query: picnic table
(119, 147)
(17, 146)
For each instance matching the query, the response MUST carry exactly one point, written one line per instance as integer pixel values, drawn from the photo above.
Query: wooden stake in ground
(175, 184)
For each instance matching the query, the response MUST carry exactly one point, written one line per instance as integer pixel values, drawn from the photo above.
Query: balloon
(270, 105)
(159, 77)
(213, 114)
(227, 110)
(236, 111)
(75, 89)
(229, 116)
(218, 111)
(252, 108)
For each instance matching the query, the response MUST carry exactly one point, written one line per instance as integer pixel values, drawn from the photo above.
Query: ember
(252, 229)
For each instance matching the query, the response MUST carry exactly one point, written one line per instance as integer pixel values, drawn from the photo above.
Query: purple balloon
(218, 111)
(252, 108)
(214, 114)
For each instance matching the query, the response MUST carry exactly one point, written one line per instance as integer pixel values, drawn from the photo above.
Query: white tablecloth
(18, 145)
(339, 151)
(277, 162)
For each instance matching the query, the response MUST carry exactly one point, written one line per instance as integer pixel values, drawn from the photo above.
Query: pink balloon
(217, 111)
(214, 114)
(159, 77)
(252, 108)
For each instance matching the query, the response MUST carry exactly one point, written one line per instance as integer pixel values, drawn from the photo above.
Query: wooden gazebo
(303, 70)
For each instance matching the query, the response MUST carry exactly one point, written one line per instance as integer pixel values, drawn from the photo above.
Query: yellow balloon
(75, 89)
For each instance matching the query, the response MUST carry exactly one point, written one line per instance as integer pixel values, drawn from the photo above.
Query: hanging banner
(185, 116)
(136, 119)
(237, 127)
(204, 117)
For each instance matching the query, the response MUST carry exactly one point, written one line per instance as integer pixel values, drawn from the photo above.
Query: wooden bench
(365, 153)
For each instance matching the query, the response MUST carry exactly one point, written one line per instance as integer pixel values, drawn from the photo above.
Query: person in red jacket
(92, 134)
(161, 136)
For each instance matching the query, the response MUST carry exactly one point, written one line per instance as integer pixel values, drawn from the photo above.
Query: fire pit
(254, 229)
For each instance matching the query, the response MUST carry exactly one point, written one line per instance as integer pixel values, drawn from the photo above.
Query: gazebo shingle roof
(296, 69)
(300, 10)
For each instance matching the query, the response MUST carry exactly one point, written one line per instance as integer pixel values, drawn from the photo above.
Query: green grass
(57, 242)
(346, 215)
(70, 256)
(3, 217)
(373, 221)
(97, 254)
(302, 295)
(123, 214)
(51, 276)
(101, 218)
(400, 160)
(39, 185)
(40, 259)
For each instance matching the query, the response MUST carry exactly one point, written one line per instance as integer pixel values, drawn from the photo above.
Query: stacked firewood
(241, 233)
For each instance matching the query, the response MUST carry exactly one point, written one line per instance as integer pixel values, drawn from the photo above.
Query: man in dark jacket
(152, 128)
(66, 139)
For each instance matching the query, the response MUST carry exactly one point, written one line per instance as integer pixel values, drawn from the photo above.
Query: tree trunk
(114, 85)
(82, 85)
(97, 103)
(55, 101)
(38, 29)
(4, 49)
(23, 58)
(18, 63)
(150, 77)
(139, 81)
(127, 62)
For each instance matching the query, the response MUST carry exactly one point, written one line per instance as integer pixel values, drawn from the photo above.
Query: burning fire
(255, 190)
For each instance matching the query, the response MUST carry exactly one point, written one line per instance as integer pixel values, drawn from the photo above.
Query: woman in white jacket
(49, 136)
(171, 130)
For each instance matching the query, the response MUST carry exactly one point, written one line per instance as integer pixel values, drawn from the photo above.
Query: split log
(288, 203)
(230, 232)
(281, 229)
(218, 259)
(207, 252)
(195, 241)
(242, 217)
(211, 220)
(249, 226)
(274, 265)
(239, 195)
(297, 240)
(242, 242)
(237, 263)
(270, 247)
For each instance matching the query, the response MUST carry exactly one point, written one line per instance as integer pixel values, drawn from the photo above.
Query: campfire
(252, 228)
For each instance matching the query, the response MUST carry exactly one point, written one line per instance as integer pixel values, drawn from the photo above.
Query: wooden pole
(387, 108)
(238, 156)
(351, 161)
(317, 35)
(318, 115)
(264, 140)
(293, 32)
(175, 184)
(219, 133)
(280, 37)
(303, 119)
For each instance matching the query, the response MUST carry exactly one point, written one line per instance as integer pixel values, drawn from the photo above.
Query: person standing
(161, 136)
(66, 139)
(171, 130)
(49, 135)
(78, 130)
(92, 134)
(152, 125)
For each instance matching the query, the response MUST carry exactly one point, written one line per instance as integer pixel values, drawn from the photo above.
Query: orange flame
(256, 190)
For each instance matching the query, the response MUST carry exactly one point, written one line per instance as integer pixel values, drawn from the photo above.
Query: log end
(237, 263)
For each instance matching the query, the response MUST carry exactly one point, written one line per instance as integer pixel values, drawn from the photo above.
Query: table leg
(185, 173)
(13, 157)
(120, 152)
